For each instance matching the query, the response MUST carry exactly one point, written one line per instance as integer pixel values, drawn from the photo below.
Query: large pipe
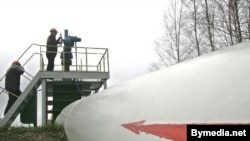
(211, 89)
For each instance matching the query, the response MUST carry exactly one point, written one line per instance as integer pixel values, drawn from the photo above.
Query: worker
(12, 83)
(51, 53)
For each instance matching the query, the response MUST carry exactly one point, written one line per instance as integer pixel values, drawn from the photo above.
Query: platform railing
(84, 59)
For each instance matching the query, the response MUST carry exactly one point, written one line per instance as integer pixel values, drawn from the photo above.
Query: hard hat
(17, 63)
(53, 30)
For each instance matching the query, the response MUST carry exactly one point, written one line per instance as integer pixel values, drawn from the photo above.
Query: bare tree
(248, 21)
(193, 28)
(235, 14)
(244, 18)
(228, 11)
(209, 25)
(168, 48)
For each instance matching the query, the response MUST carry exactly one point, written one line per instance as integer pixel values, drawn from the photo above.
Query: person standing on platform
(51, 53)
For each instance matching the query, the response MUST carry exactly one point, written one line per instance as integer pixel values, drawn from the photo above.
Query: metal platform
(63, 86)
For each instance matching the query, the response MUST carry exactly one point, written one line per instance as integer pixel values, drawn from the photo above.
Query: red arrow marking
(176, 132)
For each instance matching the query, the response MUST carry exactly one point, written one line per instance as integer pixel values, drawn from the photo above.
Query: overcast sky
(127, 28)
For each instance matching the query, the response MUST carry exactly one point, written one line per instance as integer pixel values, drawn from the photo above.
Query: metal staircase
(60, 88)
(18, 106)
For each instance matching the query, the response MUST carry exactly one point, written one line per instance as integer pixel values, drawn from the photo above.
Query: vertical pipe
(66, 33)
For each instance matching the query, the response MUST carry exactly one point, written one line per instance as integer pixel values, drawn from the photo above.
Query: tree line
(196, 27)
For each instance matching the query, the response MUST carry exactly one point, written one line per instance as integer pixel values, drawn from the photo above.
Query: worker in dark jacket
(51, 53)
(12, 83)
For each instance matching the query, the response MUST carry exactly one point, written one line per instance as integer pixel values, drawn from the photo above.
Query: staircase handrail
(22, 56)
(6, 91)
(27, 50)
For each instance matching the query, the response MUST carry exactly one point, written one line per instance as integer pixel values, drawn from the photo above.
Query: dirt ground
(33, 134)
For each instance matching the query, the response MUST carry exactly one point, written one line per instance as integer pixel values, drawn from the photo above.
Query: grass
(42, 133)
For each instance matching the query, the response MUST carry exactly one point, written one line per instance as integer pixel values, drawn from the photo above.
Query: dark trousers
(12, 100)
(51, 60)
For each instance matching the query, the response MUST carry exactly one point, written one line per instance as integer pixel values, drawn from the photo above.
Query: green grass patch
(41, 133)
